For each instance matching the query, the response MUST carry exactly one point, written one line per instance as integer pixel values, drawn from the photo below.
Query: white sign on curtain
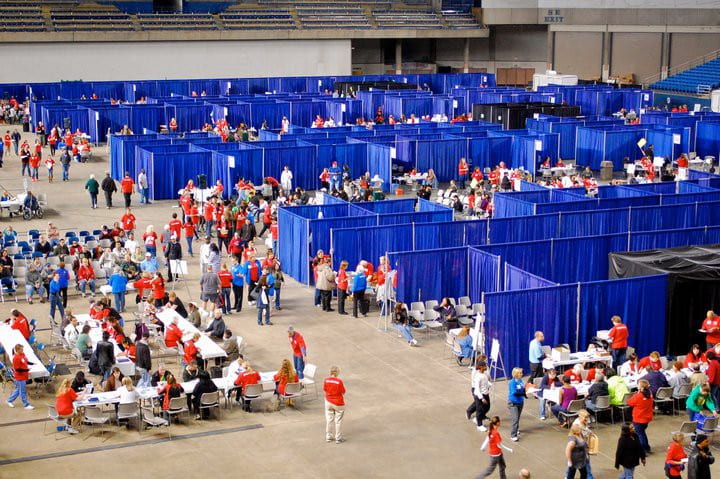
(676, 138)
(393, 153)
(231, 162)
(495, 350)
(538, 145)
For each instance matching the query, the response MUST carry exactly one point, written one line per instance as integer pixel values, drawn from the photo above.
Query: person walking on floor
(21, 373)
(334, 405)
(494, 441)
(629, 453)
(143, 187)
(108, 186)
(93, 187)
(297, 343)
(642, 405)
(516, 401)
(576, 453)
(481, 395)
(127, 185)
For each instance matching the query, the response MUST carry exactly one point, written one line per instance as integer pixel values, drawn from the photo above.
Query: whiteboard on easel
(495, 350)
(476, 335)
(178, 267)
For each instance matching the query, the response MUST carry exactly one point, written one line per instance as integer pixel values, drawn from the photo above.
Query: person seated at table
(167, 392)
(84, 343)
(79, 382)
(598, 370)
(113, 381)
(448, 315)
(652, 360)
(194, 314)
(695, 356)
(560, 163)
(677, 378)
(204, 385)
(700, 401)
(631, 367)
(247, 377)
(617, 387)
(548, 382)
(173, 334)
(465, 341)
(656, 379)
(129, 349)
(159, 376)
(20, 323)
(191, 351)
(190, 372)
(64, 399)
(574, 374)
(598, 388)
(568, 393)
(175, 303)
(546, 164)
(230, 346)
(216, 329)
(286, 374)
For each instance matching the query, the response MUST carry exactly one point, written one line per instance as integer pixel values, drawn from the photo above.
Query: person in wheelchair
(30, 203)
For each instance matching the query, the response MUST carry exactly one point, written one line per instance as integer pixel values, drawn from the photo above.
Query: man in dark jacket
(216, 329)
(173, 252)
(247, 232)
(598, 388)
(108, 186)
(105, 352)
(143, 362)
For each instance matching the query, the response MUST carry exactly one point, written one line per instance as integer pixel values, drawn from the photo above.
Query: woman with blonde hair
(465, 341)
(516, 401)
(128, 393)
(64, 399)
(286, 374)
(150, 240)
(576, 453)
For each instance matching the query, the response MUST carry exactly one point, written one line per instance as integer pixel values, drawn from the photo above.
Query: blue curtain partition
(380, 163)
(450, 234)
(484, 274)
(425, 205)
(581, 259)
(442, 156)
(142, 117)
(598, 144)
(369, 243)
(508, 205)
(444, 274)
(405, 205)
(534, 256)
(599, 222)
(420, 217)
(514, 316)
(639, 301)
(168, 172)
(669, 141)
(527, 228)
(122, 152)
(667, 239)
(708, 139)
(304, 112)
(294, 244)
(516, 279)
(108, 118)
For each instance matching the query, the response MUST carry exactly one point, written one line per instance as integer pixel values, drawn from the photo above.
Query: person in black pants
(172, 253)
(108, 186)
(204, 385)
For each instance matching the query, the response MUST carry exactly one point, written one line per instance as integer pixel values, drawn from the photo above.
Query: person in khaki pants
(334, 405)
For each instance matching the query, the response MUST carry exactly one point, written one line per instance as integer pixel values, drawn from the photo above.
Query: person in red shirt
(653, 360)
(286, 374)
(695, 356)
(143, 283)
(185, 202)
(711, 326)
(675, 454)
(218, 189)
(189, 229)
(494, 441)
(20, 323)
(274, 234)
(619, 337)
(21, 371)
(173, 334)
(297, 343)
(463, 170)
(208, 216)
(158, 289)
(225, 287)
(34, 166)
(642, 413)
(190, 350)
(128, 221)
(334, 405)
(173, 125)
(342, 283)
(244, 379)
(682, 161)
(127, 186)
(170, 390)
(150, 240)
(7, 141)
(64, 399)
(86, 277)
(175, 225)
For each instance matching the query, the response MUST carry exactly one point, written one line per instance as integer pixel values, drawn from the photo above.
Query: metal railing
(682, 67)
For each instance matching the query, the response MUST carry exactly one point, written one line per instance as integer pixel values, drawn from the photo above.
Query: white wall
(95, 61)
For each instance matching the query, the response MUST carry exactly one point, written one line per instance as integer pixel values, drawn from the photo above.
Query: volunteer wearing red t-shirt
(244, 379)
(127, 186)
(128, 222)
(225, 287)
(189, 229)
(208, 215)
(173, 335)
(494, 440)
(21, 368)
(674, 458)
(653, 360)
(190, 351)
(712, 326)
(642, 413)
(619, 337)
(334, 405)
(20, 322)
(64, 399)
(34, 166)
(158, 289)
(463, 170)
(297, 343)
(175, 225)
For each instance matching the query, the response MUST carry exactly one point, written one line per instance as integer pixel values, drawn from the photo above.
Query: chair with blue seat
(33, 325)
(70, 234)
(84, 233)
(24, 246)
(90, 238)
(32, 340)
(8, 286)
(97, 232)
(33, 234)
(36, 254)
(19, 256)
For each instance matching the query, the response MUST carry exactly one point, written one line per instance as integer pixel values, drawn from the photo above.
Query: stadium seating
(698, 80)
(173, 21)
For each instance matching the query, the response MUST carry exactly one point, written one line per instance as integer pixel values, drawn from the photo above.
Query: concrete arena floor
(405, 406)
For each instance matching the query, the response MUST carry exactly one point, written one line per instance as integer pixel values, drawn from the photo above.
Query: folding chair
(209, 401)
(292, 391)
(309, 378)
(94, 417)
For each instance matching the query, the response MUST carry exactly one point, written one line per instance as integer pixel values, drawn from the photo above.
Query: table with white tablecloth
(227, 383)
(122, 362)
(208, 348)
(580, 357)
(9, 338)
(113, 397)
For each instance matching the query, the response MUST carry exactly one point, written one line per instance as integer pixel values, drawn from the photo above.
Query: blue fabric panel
(534, 257)
(667, 239)
(527, 228)
(379, 163)
(442, 156)
(321, 211)
(581, 205)
(644, 315)
(507, 205)
(516, 278)
(666, 218)
(554, 312)
(707, 214)
(108, 118)
(170, 171)
(425, 205)
(320, 229)
(406, 205)
(294, 245)
(667, 188)
(300, 159)
(421, 217)
(444, 274)
(304, 112)
(582, 259)
(599, 222)
(712, 235)
(483, 273)
(708, 139)
(146, 117)
(355, 244)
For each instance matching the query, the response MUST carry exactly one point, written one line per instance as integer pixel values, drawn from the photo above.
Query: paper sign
(538, 145)
(134, 88)
(676, 138)
(552, 99)
(319, 82)
(342, 107)
(642, 142)
(178, 267)
(97, 115)
(484, 79)
(455, 104)
(393, 153)
(495, 350)
(226, 111)
(231, 162)
(646, 97)
(536, 116)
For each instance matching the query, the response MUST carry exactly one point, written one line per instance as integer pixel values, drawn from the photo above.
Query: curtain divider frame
(577, 318)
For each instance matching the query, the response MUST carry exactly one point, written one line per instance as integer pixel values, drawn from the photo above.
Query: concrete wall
(685, 47)
(638, 53)
(578, 53)
(40, 62)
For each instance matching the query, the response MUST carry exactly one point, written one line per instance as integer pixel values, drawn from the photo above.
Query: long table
(9, 338)
(113, 397)
(208, 348)
(126, 366)
(578, 357)
(227, 383)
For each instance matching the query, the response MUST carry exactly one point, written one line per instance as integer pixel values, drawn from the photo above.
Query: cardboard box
(560, 354)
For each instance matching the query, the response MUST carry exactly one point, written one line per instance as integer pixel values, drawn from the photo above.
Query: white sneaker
(10, 404)
(29, 407)
(514, 439)
(413, 342)
(482, 428)
(72, 430)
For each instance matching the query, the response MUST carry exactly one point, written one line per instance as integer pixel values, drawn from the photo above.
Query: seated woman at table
(598, 370)
(599, 388)
(118, 335)
(127, 391)
(448, 315)
(695, 356)
(204, 385)
(191, 351)
(190, 372)
(549, 381)
(617, 387)
(83, 343)
(175, 303)
(568, 393)
(170, 390)
(173, 334)
(465, 341)
(79, 382)
(247, 377)
(286, 374)
(652, 360)
(631, 367)
(64, 399)
(129, 349)
(160, 375)
(113, 381)
(574, 374)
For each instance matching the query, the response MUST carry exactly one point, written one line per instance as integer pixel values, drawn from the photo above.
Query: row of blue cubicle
(542, 267)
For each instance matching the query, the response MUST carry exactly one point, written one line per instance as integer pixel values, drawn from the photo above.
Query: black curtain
(689, 299)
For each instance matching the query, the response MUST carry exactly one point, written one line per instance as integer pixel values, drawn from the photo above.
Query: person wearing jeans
(297, 343)
(642, 413)
(21, 372)
(143, 363)
(55, 301)
(118, 283)
(629, 453)
(516, 400)
(238, 282)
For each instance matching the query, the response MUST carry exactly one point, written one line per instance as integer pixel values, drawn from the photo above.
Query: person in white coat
(204, 255)
(286, 178)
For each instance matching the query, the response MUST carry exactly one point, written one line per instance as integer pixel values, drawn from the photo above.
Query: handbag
(593, 444)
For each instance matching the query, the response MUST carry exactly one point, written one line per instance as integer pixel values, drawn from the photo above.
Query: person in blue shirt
(270, 281)
(118, 282)
(63, 280)
(238, 282)
(516, 400)
(335, 175)
(55, 302)
(536, 356)
(359, 285)
(149, 264)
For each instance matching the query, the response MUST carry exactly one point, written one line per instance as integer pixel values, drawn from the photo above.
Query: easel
(389, 300)
(178, 268)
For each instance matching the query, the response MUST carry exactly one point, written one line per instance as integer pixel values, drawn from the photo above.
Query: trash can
(606, 170)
